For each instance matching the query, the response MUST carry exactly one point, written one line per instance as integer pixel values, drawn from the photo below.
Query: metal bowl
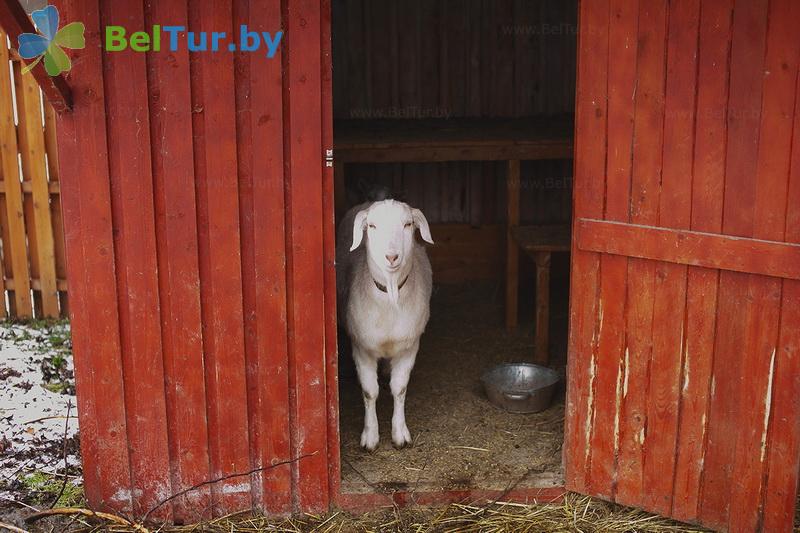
(520, 387)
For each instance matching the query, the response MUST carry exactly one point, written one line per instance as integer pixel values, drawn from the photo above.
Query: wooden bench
(540, 242)
(457, 139)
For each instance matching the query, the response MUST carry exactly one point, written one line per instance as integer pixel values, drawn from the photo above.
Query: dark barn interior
(471, 69)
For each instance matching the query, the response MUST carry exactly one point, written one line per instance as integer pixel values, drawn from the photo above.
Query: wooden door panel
(686, 260)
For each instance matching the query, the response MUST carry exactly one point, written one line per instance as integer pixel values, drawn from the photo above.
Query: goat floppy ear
(422, 223)
(359, 225)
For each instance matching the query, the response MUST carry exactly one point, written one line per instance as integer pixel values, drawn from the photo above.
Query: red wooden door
(684, 369)
(199, 225)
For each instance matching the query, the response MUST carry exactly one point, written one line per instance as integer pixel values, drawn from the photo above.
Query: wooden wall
(473, 58)
(453, 58)
(217, 369)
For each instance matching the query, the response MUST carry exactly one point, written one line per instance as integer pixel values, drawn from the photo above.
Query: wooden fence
(34, 275)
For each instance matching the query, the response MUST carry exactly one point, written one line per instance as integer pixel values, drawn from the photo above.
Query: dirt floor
(461, 441)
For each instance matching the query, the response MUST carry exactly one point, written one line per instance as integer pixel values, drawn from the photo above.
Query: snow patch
(32, 417)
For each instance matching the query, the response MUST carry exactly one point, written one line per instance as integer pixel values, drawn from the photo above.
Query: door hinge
(328, 158)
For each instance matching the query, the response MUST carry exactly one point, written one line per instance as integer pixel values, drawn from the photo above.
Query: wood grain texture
(16, 255)
(304, 235)
(329, 254)
(34, 170)
(498, 58)
(260, 124)
(133, 219)
(647, 152)
(94, 319)
(701, 287)
(734, 310)
(219, 250)
(614, 269)
(590, 144)
(669, 306)
(170, 106)
(512, 248)
(772, 182)
(710, 250)
(783, 453)
(710, 262)
(27, 183)
(51, 146)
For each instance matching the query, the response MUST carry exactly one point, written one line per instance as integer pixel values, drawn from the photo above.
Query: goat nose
(392, 258)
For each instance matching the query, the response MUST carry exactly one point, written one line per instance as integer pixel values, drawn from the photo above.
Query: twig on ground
(223, 478)
(21, 504)
(511, 487)
(11, 527)
(88, 513)
(473, 448)
(56, 417)
(66, 465)
(363, 477)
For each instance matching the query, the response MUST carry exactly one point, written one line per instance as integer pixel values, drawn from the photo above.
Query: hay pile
(575, 513)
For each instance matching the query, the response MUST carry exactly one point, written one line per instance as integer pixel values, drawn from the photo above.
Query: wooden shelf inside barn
(457, 139)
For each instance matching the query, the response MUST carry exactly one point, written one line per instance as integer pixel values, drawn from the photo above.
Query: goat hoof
(401, 438)
(369, 440)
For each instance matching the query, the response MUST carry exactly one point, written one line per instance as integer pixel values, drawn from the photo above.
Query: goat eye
(408, 224)
(372, 226)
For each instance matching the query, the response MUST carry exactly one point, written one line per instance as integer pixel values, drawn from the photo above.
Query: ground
(39, 452)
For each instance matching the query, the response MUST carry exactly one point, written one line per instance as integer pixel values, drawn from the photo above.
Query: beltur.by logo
(175, 37)
(49, 43)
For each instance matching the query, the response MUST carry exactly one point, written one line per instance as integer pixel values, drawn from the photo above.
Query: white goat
(384, 296)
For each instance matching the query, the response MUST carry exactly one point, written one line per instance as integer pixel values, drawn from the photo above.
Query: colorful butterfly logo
(49, 41)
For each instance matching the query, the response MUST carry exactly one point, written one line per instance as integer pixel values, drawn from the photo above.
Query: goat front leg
(401, 371)
(367, 368)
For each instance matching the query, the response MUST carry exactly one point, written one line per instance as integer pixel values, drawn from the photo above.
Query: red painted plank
(178, 270)
(669, 306)
(701, 287)
(329, 252)
(590, 153)
(260, 153)
(648, 128)
(744, 104)
(614, 269)
(710, 250)
(306, 316)
(86, 201)
(772, 177)
(783, 451)
(214, 126)
(128, 131)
